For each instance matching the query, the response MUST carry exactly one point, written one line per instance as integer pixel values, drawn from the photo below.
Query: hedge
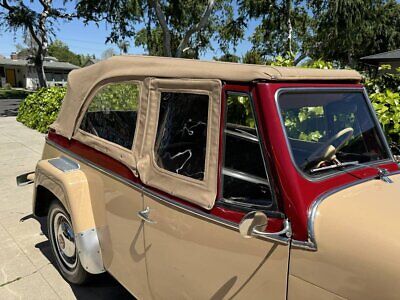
(41, 108)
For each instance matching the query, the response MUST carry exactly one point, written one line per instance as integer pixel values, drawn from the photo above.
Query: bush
(41, 108)
(387, 107)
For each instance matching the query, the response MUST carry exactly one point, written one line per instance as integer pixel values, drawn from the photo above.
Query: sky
(90, 39)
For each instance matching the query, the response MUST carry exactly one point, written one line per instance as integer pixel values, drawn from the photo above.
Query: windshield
(326, 129)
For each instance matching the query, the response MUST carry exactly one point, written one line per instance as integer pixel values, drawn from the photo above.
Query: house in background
(91, 61)
(391, 58)
(21, 73)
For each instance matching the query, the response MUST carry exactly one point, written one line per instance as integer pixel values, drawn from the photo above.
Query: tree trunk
(40, 70)
(164, 26)
(195, 28)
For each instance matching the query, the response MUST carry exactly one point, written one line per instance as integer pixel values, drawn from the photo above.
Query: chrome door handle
(144, 215)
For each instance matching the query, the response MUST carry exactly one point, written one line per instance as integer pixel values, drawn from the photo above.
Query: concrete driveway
(27, 270)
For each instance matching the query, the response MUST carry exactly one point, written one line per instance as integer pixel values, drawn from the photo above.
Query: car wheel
(62, 240)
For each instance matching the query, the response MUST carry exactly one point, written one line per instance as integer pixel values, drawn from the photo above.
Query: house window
(112, 113)
(2, 72)
(181, 138)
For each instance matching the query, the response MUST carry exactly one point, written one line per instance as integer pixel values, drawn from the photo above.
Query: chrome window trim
(333, 89)
(158, 197)
(242, 135)
(244, 176)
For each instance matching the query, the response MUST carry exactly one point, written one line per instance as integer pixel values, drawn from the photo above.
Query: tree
(28, 49)
(253, 57)
(61, 51)
(123, 47)
(282, 29)
(17, 15)
(228, 58)
(166, 28)
(346, 30)
(107, 53)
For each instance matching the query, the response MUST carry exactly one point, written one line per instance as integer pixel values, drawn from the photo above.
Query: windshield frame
(364, 93)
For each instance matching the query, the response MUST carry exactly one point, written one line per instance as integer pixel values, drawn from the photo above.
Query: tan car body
(351, 255)
(357, 237)
(239, 267)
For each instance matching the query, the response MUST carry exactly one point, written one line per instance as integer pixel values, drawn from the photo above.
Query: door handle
(144, 215)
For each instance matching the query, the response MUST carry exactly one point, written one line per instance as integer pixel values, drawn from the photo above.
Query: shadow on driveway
(102, 286)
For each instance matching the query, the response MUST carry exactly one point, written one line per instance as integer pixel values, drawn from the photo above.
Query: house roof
(47, 64)
(91, 61)
(385, 56)
(82, 81)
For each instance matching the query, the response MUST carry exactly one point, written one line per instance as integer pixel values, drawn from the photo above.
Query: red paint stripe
(119, 168)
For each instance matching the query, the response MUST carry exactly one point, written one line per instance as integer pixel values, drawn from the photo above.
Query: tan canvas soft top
(82, 81)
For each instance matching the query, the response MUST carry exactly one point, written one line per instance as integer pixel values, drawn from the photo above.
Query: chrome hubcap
(65, 240)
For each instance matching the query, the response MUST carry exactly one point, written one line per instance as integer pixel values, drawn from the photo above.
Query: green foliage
(228, 58)
(114, 97)
(296, 123)
(253, 57)
(284, 61)
(377, 83)
(175, 29)
(8, 93)
(41, 108)
(61, 51)
(319, 64)
(239, 111)
(345, 30)
(387, 107)
(282, 26)
(289, 60)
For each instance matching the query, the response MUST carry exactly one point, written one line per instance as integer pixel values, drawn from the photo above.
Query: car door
(195, 251)
(108, 124)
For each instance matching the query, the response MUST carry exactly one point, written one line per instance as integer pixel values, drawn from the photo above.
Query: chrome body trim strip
(146, 191)
(333, 89)
(64, 164)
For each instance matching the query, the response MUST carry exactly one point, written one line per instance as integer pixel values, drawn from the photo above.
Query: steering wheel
(328, 150)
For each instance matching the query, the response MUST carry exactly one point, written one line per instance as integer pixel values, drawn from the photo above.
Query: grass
(13, 93)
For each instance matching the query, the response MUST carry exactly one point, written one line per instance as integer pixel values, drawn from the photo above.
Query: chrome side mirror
(254, 224)
(253, 219)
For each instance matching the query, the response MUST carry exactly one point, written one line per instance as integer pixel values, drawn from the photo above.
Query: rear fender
(64, 178)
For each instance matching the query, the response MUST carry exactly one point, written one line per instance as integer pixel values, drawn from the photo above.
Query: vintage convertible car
(159, 170)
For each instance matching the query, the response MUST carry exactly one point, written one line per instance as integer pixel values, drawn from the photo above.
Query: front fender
(358, 243)
(63, 177)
